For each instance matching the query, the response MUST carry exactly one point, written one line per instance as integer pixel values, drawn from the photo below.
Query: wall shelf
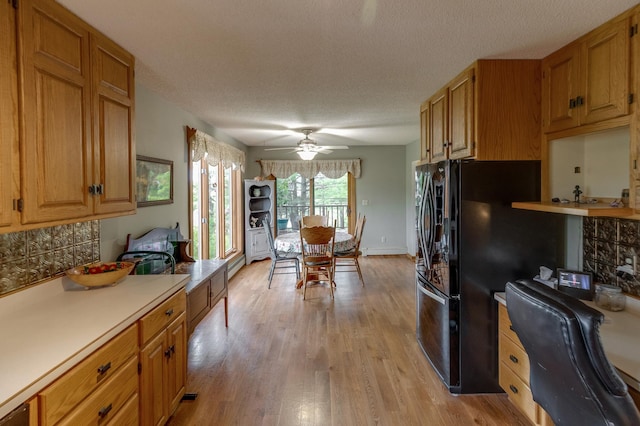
(599, 209)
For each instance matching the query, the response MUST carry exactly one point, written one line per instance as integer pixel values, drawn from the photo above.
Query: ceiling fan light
(307, 155)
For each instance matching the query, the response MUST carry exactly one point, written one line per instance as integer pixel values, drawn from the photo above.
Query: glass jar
(610, 297)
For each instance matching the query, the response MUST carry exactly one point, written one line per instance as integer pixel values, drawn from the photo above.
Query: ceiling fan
(308, 148)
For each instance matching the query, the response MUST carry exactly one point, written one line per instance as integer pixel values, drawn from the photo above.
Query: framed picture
(154, 181)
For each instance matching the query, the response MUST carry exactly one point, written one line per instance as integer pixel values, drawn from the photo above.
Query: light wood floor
(351, 361)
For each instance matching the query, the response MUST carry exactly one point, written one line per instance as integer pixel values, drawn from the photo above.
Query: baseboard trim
(377, 251)
(236, 266)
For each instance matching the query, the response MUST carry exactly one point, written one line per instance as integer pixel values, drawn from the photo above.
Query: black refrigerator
(470, 242)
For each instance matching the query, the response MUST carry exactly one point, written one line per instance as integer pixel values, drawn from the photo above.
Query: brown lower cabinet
(137, 378)
(97, 388)
(514, 371)
(163, 360)
(128, 415)
(107, 401)
(163, 378)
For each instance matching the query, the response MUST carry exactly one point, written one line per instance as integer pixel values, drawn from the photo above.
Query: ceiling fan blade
(279, 149)
(321, 148)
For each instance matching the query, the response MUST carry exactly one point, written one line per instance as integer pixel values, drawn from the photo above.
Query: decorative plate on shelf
(100, 273)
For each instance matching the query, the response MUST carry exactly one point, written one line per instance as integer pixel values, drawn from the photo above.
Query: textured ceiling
(355, 70)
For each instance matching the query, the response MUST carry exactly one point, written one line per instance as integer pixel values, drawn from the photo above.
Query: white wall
(382, 184)
(412, 154)
(160, 133)
(603, 159)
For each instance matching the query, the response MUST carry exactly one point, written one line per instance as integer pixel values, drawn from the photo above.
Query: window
(215, 209)
(298, 196)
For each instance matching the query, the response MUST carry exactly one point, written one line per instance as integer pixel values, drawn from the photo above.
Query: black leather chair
(570, 377)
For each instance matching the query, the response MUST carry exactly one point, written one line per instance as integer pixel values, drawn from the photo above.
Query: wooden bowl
(100, 273)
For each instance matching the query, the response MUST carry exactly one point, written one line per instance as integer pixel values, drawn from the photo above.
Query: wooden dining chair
(280, 260)
(316, 244)
(349, 259)
(315, 220)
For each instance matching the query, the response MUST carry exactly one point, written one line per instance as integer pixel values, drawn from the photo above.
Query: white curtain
(216, 151)
(330, 168)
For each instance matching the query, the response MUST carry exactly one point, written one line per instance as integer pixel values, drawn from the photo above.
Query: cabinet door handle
(513, 359)
(513, 389)
(167, 353)
(104, 368)
(579, 100)
(169, 312)
(572, 103)
(104, 411)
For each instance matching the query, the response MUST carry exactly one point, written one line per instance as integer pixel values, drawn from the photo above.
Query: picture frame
(154, 181)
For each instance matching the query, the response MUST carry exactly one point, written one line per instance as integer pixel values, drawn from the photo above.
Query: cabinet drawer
(518, 392)
(218, 285)
(161, 316)
(504, 324)
(515, 357)
(102, 405)
(198, 300)
(129, 415)
(65, 393)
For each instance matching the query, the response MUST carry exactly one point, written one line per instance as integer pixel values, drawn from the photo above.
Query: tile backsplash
(28, 257)
(607, 242)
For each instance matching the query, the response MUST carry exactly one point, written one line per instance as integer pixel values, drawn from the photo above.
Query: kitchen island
(46, 330)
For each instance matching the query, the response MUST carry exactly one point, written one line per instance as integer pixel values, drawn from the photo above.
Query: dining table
(290, 243)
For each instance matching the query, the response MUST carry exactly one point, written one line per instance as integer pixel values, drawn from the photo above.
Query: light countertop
(619, 334)
(45, 330)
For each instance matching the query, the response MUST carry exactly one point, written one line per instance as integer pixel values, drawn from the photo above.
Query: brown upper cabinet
(439, 125)
(490, 111)
(587, 88)
(9, 176)
(77, 151)
(425, 130)
(113, 128)
(451, 119)
(587, 81)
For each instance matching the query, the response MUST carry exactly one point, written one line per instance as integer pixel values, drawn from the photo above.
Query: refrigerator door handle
(423, 238)
(432, 295)
(432, 225)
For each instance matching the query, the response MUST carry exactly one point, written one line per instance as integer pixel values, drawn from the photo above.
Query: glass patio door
(298, 196)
